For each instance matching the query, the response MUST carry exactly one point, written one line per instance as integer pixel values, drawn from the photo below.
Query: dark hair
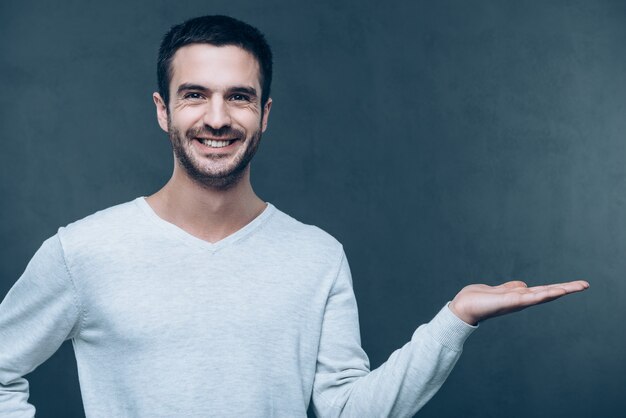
(219, 31)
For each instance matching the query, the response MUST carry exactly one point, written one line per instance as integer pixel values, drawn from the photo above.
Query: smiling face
(215, 118)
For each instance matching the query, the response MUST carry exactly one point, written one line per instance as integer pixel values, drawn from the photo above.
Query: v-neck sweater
(164, 324)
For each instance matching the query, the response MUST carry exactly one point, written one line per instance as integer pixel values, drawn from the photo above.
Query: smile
(216, 144)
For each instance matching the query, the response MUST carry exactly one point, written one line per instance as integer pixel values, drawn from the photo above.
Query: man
(202, 299)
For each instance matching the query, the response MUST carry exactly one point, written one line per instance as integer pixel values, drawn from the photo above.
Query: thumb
(513, 284)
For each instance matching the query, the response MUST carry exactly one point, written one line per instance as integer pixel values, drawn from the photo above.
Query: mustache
(225, 132)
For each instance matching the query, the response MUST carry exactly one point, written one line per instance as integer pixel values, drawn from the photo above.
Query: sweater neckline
(188, 238)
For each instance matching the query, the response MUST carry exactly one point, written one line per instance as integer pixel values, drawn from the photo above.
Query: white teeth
(215, 144)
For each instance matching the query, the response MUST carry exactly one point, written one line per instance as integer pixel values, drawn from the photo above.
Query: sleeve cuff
(449, 330)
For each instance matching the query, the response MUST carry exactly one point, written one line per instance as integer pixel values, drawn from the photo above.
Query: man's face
(215, 119)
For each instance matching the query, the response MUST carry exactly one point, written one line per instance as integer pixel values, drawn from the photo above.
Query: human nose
(216, 114)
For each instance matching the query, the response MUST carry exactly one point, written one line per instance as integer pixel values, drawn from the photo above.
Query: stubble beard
(224, 178)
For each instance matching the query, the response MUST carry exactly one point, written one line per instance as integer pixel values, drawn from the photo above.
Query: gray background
(443, 142)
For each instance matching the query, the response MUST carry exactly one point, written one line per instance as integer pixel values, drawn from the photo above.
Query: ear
(161, 109)
(266, 114)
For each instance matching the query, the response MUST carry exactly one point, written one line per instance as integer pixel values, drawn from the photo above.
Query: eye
(238, 97)
(192, 96)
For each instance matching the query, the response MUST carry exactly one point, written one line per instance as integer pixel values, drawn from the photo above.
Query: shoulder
(297, 235)
(110, 224)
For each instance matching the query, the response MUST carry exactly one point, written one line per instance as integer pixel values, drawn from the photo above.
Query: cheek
(250, 121)
(186, 118)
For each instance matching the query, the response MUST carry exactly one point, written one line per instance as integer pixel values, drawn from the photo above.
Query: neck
(207, 213)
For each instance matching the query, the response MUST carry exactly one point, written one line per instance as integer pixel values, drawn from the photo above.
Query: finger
(581, 282)
(546, 295)
(569, 287)
(529, 299)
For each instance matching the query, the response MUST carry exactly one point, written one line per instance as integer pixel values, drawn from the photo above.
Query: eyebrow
(190, 86)
(251, 91)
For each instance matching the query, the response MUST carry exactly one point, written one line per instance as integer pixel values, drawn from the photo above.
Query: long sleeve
(344, 385)
(39, 313)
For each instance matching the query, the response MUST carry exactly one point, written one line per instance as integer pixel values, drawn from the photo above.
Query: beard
(222, 177)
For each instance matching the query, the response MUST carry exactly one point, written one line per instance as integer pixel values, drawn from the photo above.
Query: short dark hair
(219, 31)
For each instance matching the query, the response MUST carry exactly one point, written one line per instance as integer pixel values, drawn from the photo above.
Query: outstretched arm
(477, 302)
(344, 386)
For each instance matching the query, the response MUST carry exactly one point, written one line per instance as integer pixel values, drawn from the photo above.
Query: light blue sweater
(168, 325)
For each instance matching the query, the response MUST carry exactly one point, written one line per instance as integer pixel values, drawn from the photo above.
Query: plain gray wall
(443, 142)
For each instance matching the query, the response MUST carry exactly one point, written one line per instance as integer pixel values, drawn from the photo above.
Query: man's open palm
(477, 302)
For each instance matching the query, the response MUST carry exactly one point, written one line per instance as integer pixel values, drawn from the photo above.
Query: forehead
(214, 66)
